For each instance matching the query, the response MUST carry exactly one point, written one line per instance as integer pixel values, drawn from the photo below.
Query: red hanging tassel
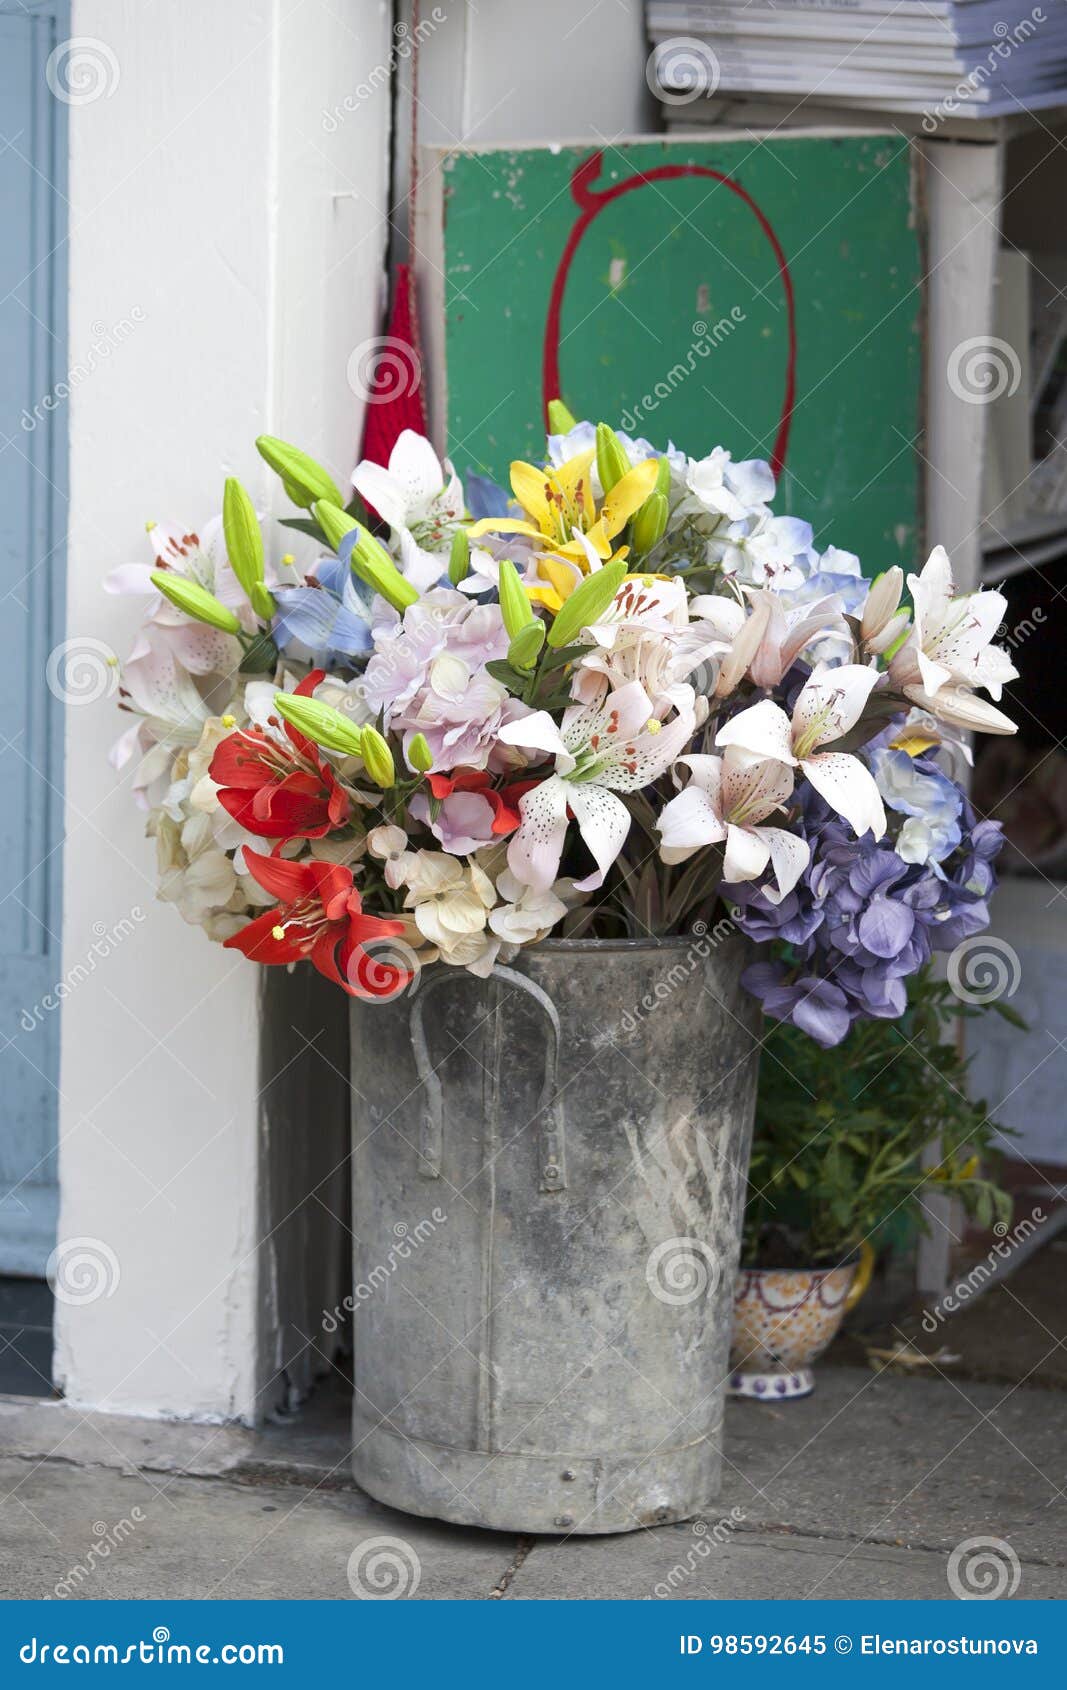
(395, 390)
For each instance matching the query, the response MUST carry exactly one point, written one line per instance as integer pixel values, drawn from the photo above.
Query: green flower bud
(663, 477)
(560, 420)
(304, 480)
(244, 542)
(372, 563)
(649, 524)
(611, 461)
(334, 522)
(262, 601)
(515, 606)
(459, 558)
(525, 648)
(321, 722)
(377, 758)
(420, 757)
(195, 601)
(589, 600)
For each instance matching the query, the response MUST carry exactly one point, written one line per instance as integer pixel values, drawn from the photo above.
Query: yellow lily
(561, 572)
(559, 503)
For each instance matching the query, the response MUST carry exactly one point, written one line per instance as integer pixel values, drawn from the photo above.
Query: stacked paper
(954, 58)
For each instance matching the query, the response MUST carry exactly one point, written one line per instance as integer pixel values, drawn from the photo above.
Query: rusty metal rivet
(564, 1520)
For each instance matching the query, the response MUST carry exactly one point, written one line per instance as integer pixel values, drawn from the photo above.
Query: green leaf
(512, 679)
(304, 480)
(589, 600)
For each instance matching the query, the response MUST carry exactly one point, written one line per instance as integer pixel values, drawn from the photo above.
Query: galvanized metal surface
(548, 1182)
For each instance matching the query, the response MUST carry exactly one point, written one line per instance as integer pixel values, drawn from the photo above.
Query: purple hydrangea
(862, 919)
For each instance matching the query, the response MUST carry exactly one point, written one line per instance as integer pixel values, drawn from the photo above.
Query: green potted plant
(838, 1158)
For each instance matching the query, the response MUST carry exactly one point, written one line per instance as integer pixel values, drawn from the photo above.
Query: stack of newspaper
(958, 58)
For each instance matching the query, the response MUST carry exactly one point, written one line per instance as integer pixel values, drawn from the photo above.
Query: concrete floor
(864, 1490)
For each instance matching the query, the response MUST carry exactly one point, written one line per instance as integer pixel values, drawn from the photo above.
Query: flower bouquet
(582, 746)
(600, 708)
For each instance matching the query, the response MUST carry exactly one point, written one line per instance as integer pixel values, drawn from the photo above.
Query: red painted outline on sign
(592, 202)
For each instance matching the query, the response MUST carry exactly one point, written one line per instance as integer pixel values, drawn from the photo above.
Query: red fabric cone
(395, 391)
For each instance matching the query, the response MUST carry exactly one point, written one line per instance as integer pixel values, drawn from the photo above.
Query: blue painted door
(33, 365)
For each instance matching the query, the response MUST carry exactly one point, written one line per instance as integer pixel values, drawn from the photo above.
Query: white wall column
(218, 206)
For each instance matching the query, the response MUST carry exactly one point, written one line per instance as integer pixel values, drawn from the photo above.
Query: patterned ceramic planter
(784, 1318)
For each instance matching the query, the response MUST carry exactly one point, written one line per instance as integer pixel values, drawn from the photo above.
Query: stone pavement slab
(863, 1489)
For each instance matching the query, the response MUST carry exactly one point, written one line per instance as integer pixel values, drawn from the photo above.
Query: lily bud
(195, 601)
(244, 541)
(372, 563)
(882, 601)
(650, 524)
(611, 461)
(334, 522)
(459, 557)
(560, 420)
(377, 758)
(304, 480)
(589, 600)
(663, 477)
(515, 606)
(892, 636)
(963, 709)
(420, 757)
(321, 722)
(525, 648)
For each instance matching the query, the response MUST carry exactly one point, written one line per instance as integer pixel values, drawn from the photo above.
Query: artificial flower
(727, 801)
(275, 783)
(421, 500)
(830, 703)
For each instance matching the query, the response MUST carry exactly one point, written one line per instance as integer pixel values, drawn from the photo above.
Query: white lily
(727, 800)
(830, 703)
(420, 499)
(950, 647)
(200, 558)
(601, 749)
(646, 635)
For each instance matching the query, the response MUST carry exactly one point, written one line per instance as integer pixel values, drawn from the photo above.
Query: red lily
(319, 916)
(504, 805)
(279, 790)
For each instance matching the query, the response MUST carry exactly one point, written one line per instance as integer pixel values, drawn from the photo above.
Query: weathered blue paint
(33, 507)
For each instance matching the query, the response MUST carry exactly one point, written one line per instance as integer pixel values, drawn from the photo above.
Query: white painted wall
(204, 191)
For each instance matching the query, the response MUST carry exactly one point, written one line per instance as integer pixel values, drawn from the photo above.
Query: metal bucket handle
(553, 1174)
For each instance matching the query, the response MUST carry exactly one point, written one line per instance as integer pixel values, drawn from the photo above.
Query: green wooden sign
(761, 295)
